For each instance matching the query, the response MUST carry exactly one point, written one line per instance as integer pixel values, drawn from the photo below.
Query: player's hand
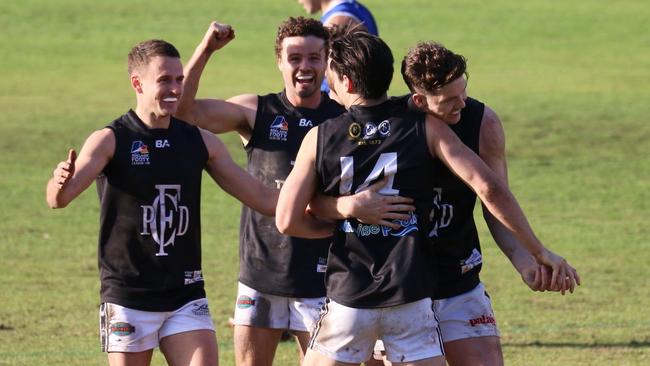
(371, 207)
(217, 36)
(65, 170)
(563, 277)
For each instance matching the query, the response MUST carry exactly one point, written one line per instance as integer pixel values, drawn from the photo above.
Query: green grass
(569, 80)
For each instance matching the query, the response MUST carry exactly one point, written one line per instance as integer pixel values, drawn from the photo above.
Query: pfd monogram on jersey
(150, 230)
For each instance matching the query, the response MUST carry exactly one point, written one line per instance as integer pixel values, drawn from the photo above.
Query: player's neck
(150, 119)
(356, 99)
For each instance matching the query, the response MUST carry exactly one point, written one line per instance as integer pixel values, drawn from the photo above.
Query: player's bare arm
(492, 152)
(494, 194)
(214, 115)
(235, 180)
(367, 206)
(73, 176)
(291, 216)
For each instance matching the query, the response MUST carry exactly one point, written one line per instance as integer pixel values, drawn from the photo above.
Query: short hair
(364, 58)
(143, 52)
(430, 66)
(300, 27)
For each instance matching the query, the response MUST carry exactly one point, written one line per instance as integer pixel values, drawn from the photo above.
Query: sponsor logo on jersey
(139, 153)
(201, 309)
(193, 277)
(122, 329)
(165, 218)
(484, 319)
(321, 266)
(304, 122)
(161, 144)
(279, 129)
(472, 261)
(441, 213)
(406, 227)
(245, 302)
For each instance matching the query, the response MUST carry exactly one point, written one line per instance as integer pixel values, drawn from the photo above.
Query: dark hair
(364, 58)
(300, 27)
(142, 53)
(430, 66)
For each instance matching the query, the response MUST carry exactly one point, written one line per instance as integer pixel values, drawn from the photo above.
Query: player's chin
(452, 119)
(306, 90)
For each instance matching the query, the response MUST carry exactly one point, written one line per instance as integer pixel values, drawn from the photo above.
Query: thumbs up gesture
(65, 169)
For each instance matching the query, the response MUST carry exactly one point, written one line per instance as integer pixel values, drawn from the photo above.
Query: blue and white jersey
(351, 9)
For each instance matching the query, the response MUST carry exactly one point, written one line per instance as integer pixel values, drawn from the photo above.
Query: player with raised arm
(148, 167)
(374, 270)
(281, 279)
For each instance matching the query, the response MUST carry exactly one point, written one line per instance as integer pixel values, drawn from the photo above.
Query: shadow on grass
(631, 344)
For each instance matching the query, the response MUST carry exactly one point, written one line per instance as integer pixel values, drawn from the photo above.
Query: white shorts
(467, 315)
(128, 330)
(409, 332)
(257, 309)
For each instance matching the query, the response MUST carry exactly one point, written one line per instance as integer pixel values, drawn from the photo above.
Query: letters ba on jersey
(369, 133)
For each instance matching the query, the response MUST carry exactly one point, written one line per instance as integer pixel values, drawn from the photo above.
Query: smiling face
(159, 86)
(446, 103)
(302, 63)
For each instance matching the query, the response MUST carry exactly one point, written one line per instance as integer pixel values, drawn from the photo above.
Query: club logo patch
(354, 130)
(122, 329)
(245, 302)
(139, 153)
(279, 129)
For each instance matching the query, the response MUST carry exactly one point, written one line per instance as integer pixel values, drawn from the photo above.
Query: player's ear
(136, 83)
(349, 84)
(420, 101)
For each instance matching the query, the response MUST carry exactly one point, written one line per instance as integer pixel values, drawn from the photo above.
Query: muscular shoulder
(492, 137)
(101, 142)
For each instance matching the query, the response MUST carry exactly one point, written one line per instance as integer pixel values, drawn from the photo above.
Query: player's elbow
(491, 191)
(284, 222)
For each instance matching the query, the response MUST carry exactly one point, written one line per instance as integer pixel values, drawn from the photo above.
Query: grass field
(570, 80)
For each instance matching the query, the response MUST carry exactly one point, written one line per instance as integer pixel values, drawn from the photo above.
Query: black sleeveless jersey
(269, 261)
(372, 266)
(452, 229)
(150, 230)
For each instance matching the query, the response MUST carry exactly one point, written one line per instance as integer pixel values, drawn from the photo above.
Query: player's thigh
(483, 351)
(127, 330)
(304, 313)
(468, 315)
(255, 346)
(410, 333)
(345, 334)
(193, 348)
(261, 310)
(314, 358)
(130, 358)
(432, 361)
